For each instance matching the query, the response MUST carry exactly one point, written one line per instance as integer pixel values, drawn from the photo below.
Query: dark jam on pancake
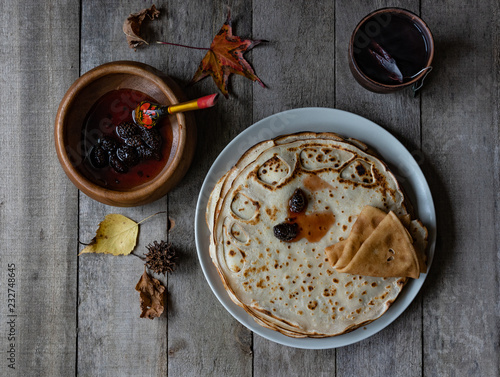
(299, 224)
(118, 154)
(298, 201)
(312, 226)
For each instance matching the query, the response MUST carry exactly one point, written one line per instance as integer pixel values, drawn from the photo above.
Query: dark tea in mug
(391, 47)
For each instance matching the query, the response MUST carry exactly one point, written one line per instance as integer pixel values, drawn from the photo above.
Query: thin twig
(154, 214)
(179, 45)
(141, 258)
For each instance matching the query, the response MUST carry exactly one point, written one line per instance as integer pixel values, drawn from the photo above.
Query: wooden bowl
(368, 28)
(79, 100)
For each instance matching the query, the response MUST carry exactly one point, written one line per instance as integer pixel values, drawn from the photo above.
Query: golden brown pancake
(289, 286)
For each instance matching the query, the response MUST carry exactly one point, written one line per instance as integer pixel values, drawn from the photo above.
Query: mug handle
(418, 84)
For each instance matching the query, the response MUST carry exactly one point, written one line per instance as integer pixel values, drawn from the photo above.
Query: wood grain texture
(203, 338)
(298, 63)
(39, 59)
(112, 339)
(80, 315)
(398, 348)
(460, 118)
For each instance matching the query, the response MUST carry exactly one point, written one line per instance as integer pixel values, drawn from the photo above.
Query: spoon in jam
(147, 114)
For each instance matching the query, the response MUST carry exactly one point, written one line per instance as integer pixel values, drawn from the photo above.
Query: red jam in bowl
(118, 154)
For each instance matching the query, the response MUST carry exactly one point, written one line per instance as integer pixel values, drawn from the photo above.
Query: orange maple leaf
(225, 56)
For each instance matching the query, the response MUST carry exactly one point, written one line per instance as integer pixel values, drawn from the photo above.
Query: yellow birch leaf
(116, 235)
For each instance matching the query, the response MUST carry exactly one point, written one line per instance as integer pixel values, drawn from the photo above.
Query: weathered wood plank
(398, 348)
(39, 60)
(298, 65)
(112, 339)
(304, 64)
(196, 338)
(460, 119)
(203, 338)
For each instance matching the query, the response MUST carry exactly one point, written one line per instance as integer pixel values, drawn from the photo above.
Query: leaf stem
(179, 45)
(134, 254)
(147, 218)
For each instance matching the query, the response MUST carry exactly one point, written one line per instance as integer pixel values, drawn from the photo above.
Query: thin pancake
(288, 286)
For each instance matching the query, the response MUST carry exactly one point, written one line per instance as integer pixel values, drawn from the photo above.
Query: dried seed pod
(161, 257)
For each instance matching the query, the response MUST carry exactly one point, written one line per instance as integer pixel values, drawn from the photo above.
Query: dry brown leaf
(151, 296)
(132, 25)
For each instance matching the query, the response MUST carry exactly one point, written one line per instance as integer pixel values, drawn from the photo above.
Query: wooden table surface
(80, 315)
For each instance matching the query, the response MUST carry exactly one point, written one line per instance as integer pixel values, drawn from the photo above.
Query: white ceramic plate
(402, 164)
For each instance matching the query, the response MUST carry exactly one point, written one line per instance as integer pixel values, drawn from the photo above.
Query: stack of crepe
(289, 286)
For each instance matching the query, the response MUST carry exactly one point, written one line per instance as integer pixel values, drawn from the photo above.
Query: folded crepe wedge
(340, 254)
(335, 251)
(387, 252)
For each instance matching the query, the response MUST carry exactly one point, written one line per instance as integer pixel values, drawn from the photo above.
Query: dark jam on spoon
(120, 155)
